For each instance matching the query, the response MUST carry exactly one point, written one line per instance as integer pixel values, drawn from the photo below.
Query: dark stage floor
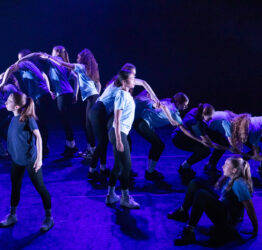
(82, 220)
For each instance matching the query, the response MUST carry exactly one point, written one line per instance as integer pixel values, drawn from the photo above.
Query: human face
(10, 104)
(228, 169)
(208, 117)
(133, 70)
(182, 106)
(20, 56)
(54, 52)
(129, 82)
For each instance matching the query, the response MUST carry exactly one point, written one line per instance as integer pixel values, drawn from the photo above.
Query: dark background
(211, 50)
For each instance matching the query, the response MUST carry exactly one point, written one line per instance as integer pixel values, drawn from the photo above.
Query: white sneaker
(129, 202)
(112, 198)
(10, 220)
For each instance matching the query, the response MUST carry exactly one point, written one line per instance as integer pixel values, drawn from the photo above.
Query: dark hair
(26, 104)
(123, 74)
(87, 58)
(61, 51)
(204, 109)
(24, 52)
(179, 98)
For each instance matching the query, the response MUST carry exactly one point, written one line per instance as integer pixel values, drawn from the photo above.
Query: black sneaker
(9, 221)
(48, 223)
(186, 237)
(93, 175)
(178, 215)
(154, 176)
(69, 152)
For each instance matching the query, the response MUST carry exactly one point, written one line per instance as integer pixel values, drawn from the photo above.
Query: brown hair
(243, 170)
(87, 58)
(61, 51)
(179, 98)
(122, 75)
(239, 129)
(204, 109)
(26, 104)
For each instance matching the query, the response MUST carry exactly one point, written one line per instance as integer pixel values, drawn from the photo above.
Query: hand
(74, 100)
(44, 55)
(119, 146)
(37, 165)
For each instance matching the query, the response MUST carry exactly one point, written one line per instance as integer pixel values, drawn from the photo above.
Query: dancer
(148, 117)
(124, 111)
(194, 121)
(25, 147)
(235, 188)
(99, 117)
(88, 78)
(62, 92)
(32, 82)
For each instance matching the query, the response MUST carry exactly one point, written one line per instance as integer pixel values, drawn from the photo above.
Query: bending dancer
(148, 117)
(62, 91)
(224, 211)
(88, 78)
(194, 121)
(124, 111)
(25, 147)
(100, 114)
(32, 82)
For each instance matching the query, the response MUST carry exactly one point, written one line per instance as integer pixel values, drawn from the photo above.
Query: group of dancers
(29, 86)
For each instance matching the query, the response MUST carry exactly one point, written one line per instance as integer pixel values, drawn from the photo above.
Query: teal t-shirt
(255, 130)
(21, 141)
(221, 123)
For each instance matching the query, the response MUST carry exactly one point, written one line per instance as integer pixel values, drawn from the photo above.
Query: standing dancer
(148, 117)
(99, 116)
(25, 147)
(124, 111)
(32, 82)
(87, 72)
(235, 188)
(63, 93)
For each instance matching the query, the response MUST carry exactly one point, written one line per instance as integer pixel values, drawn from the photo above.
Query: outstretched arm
(147, 87)
(57, 61)
(13, 68)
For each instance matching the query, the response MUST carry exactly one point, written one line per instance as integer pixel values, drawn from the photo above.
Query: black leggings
(42, 105)
(64, 106)
(157, 145)
(90, 101)
(217, 153)
(122, 162)
(17, 173)
(200, 152)
(98, 118)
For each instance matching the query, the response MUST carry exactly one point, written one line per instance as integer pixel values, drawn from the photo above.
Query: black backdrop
(209, 49)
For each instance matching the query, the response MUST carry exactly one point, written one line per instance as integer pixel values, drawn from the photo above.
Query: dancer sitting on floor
(25, 148)
(225, 211)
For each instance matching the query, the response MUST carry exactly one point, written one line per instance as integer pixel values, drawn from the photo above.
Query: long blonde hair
(243, 170)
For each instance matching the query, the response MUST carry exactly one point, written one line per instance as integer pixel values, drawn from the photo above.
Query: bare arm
(13, 68)
(76, 86)
(251, 214)
(147, 87)
(209, 143)
(38, 163)
(57, 61)
(119, 144)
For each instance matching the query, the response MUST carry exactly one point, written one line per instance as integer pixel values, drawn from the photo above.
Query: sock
(111, 190)
(103, 167)
(70, 144)
(191, 228)
(125, 193)
(92, 170)
(13, 210)
(185, 164)
(48, 212)
(151, 166)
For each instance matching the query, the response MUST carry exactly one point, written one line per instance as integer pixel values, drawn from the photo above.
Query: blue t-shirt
(255, 130)
(6, 91)
(235, 196)
(59, 79)
(157, 118)
(31, 80)
(86, 84)
(196, 126)
(221, 123)
(108, 97)
(141, 105)
(21, 141)
(125, 102)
